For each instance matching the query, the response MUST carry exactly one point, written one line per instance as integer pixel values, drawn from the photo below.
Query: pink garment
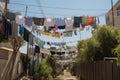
(68, 21)
(55, 29)
(69, 24)
(20, 19)
(49, 22)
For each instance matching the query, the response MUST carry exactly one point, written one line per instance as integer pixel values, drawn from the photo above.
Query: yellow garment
(48, 33)
(42, 32)
(58, 35)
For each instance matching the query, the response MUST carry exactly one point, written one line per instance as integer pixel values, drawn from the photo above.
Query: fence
(99, 70)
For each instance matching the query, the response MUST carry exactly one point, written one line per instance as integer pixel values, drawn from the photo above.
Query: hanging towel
(68, 21)
(28, 21)
(87, 21)
(59, 22)
(20, 19)
(49, 22)
(38, 21)
(68, 24)
(77, 21)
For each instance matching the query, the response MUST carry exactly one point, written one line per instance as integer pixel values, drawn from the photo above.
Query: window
(107, 20)
(118, 11)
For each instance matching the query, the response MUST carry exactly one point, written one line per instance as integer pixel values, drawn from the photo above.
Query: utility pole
(112, 13)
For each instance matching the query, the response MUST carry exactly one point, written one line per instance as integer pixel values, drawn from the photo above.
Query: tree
(100, 45)
(43, 71)
(87, 49)
(107, 37)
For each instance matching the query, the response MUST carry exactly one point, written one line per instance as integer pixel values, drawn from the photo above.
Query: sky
(62, 9)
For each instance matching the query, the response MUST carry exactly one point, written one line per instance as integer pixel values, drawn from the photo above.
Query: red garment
(88, 21)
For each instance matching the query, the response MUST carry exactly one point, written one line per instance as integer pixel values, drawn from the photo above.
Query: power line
(62, 7)
(103, 14)
(40, 6)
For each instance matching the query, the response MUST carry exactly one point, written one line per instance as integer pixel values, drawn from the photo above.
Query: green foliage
(87, 49)
(101, 45)
(43, 71)
(117, 51)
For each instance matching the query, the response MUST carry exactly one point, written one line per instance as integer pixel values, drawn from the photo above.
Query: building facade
(116, 15)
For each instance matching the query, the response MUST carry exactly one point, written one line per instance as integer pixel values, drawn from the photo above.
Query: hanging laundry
(21, 29)
(14, 29)
(77, 22)
(95, 23)
(46, 28)
(87, 21)
(26, 35)
(31, 38)
(36, 40)
(3, 25)
(67, 34)
(11, 16)
(37, 49)
(61, 27)
(68, 21)
(75, 32)
(49, 22)
(56, 43)
(34, 27)
(55, 29)
(42, 32)
(48, 43)
(68, 26)
(56, 34)
(20, 19)
(41, 44)
(8, 30)
(28, 21)
(51, 27)
(59, 22)
(48, 34)
(38, 21)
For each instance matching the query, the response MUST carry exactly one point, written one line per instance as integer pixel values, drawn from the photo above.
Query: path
(66, 76)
